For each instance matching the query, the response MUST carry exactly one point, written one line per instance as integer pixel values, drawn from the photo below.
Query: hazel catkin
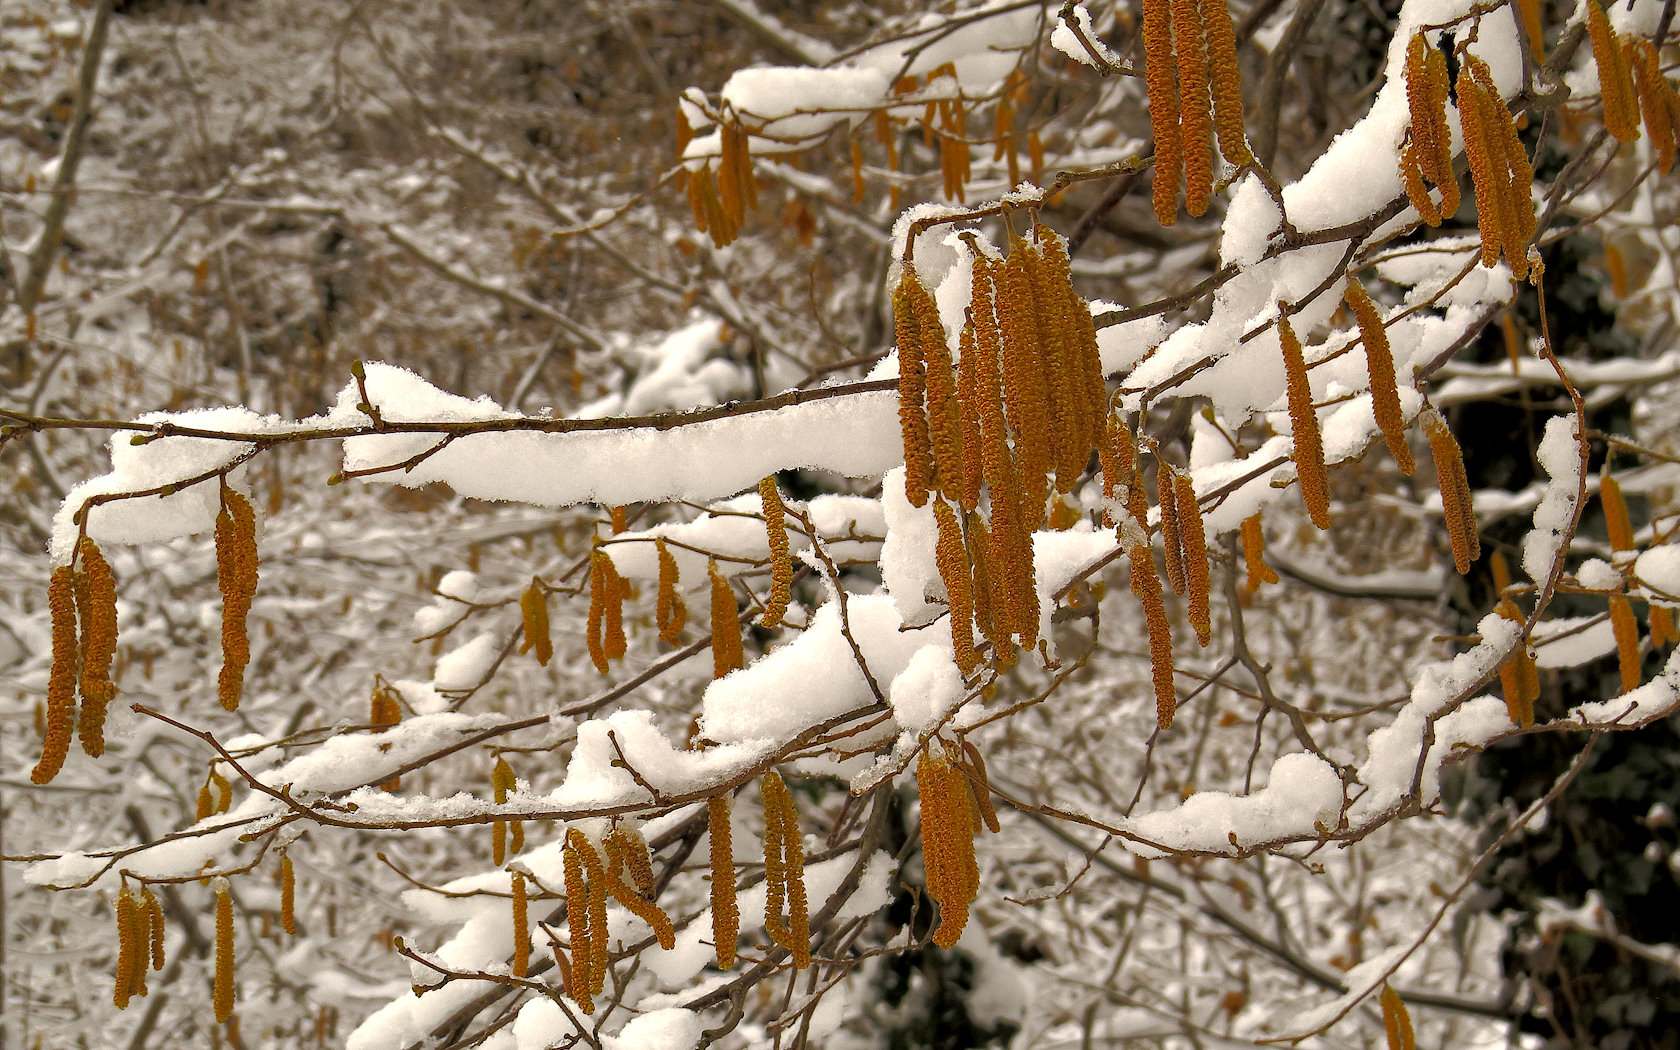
(154, 927)
(1379, 364)
(913, 309)
(1617, 525)
(236, 576)
(1308, 442)
(781, 563)
(785, 857)
(1227, 82)
(1161, 78)
(533, 611)
(1195, 125)
(1456, 504)
(1146, 586)
(670, 611)
(600, 586)
(1615, 85)
(1172, 543)
(521, 926)
(1254, 555)
(726, 626)
(288, 894)
(952, 562)
(1626, 631)
(61, 680)
(577, 922)
(1193, 537)
(726, 915)
(96, 609)
(223, 990)
(127, 947)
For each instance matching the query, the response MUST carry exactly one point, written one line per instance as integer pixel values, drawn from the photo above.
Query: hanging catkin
(1513, 175)
(952, 562)
(1227, 82)
(726, 625)
(1254, 555)
(1519, 679)
(1161, 78)
(618, 850)
(1025, 389)
(1309, 445)
(521, 927)
(236, 576)
(638, 861)
(1166, 498)
(222, 991)
(981, 785)
(784, 865)
(1456, 506)
(1397, 1022)
(1626, 630)
(1486, 170)
(577, 921)
(154, 927)
(1379, 364)
(948, 860)
(913, 308)
(1431, 139)
(600, 586)
(595, 909)
(613, 643)
(670, 612)
(1655, 95)
(1194, 539)
(1621, 118)
(1195, 124)
(138, 959)
(1067, 356)
(288, 894)
(61, 680)
(1411, 179)
(973, 469)
(781, 563)
(726, 915)
(128, 946)
(1661, 620)
(1617, 525)
(96, 608)
(533, 609)
(1146, 585)
(944, 414)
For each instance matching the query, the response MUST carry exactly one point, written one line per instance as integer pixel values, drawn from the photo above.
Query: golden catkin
(944, 414)
(1194, 538)
(1026, 393)
(1653, 91)
(1254, 555)
(127, 947)
(521, 927)
(154, 927)
(1227, 82)
(1617, 525)
(142, 944)
(1517, 677)
(618, 518)
(1411, 179)
(1379, 364)
(577, 921)
(600, 586)
(236, 576)
(1529, 10)
(785, 871)
(973, 470)
(1161, 78)
(384, 711)
(595, 907)
(288, 895)
(670, 612)
(952, 562)
(1615, 86)
(1166, 498)
(619, 849)
(726, 625)
(1439, 166)
(1661, 619)
(781, 562)
(613, 642)
(1309, 444)
(985, 618)
(1195, 118)
(1486, 170)
(1456, 505)
(981, 785)
(1397, 1022)
(913, 306)
(952, 873)
(1146, 586)
(533, 610)
(61, 680)
(1626, 630)
(726, 914)
(637, 860)
(222, 994)
(1068, 356)
(1515, 181)
(96, 609)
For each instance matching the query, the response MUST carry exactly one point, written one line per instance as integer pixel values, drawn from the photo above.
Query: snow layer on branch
(927, 690)
(733, 528)
(856, 436)
(1659, 568)
(1063, 39)
(1559, 457)
(678, 372)
(815, 676)
(164, 461)
(1360, 982)
(466, 666)
(593, 780)
(1572, 641)
(1655, 699)
(1302, 791)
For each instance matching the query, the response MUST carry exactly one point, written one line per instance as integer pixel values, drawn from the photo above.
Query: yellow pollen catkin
(1456, 505)
(913, 307)
(973, 470)
(781, 563)
(288, 895)
(1617, 525)
(952, 561)
(1146, 586)
(1661, 619)
(1161, 78)
(1068, 357)
(1411, 178)
(595, 907)
(618, 518)
(1379, 363)
(637, 860)
(1615, 85)
(1254, 555)
(600, 586)
(985, 617)
(142, 942)
(1486, 171)
(1626, 630)
(1309, 445)
(670, 612)
(944, 414)
(521, 927)
(618, 856)
(726, 625)
(1025, 388)
(613, 642)
(96, 608)
(726, 915)
(785, 859)
(1195, 123)
(947, 841)
(981, 785)
(236, 576)
(1397, 1022)
(1514, 176)
(577, 922)
(222, 995)
(127, 947)
(1194, 539)
(1166, 498)
(61, 680)
(1654, 93)
(533, 610)
(1511, 685)
(154, 927)
(1227, 82)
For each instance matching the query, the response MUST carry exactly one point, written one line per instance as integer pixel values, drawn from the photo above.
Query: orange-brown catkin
(1195, 126)
(952, 561)
(222, 985)
(96, 608)
(1194, 539)
(944, 414)
(726, 626)
(128, 944)
(595, 881)
(1661, 620)
(912, 309)
(670, 612)
(1487, 173)
(1518, 681)
(1227, 82)
(1254, 555)
(533, 610)
(577, 921)
(1615, 85)
(1146, 585)
(1309, 445)
(236, 575)
(1411, 179)
(1456, 505)
(1026, 392)
(618, 856)
(981, 786)
(1426, 97)
(1654, 95)
(781, 563)
(600, 588)
(1397, 1022)
(154, 927)
(385, 710)
(1075, 383)
(726, 915)
(1617, 525)
(288, 895)
(1515, 176)
(785, 858)
(973, 469)
(1161, 76)
(61, 680)
(952, 873)
(1626, 630)
(1166, 498)
(521, 927)
(613, 642)
(142, 940)
(1379, 363)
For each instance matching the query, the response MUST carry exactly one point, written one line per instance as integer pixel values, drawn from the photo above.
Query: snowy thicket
(501, 372)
